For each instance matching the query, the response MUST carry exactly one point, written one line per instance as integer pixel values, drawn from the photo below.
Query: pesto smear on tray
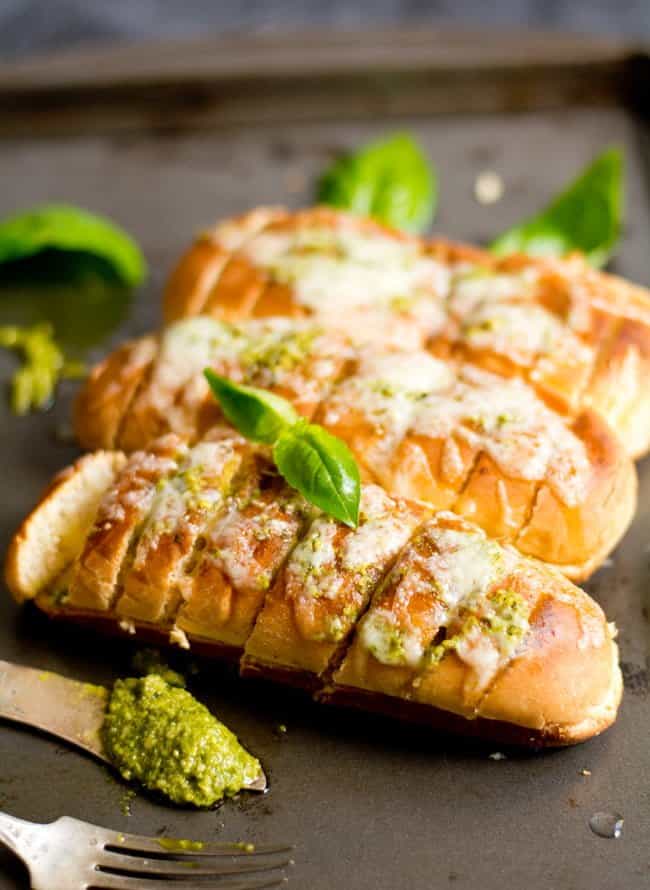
(159, 734)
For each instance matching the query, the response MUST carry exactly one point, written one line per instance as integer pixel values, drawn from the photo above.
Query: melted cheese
(522, 331)
(312, 566)
(505, 419)
(462, 566)
(330, 574)
(186, 497)
(280, 351)
(385, 390)
(135, 489)
(188, 346)
(473, 289)
(501, 314)
(413, 373)
(490, 629)
(234, 541)
(262, 353)
(381, 534)
(334, 270)
(384, 637)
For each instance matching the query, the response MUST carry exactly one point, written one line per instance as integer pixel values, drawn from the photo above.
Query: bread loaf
(415, 613)
(580, 337)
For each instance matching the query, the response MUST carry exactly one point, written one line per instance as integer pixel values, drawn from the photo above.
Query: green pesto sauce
(180, 845)
(278, 354)
(505, 618)
(162, 736)
(43, 366)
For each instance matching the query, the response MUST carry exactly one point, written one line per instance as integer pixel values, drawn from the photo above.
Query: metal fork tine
(122, 882)
(219, 866)
(140, 844)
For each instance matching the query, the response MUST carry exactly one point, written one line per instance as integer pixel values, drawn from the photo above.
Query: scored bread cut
(415, 613)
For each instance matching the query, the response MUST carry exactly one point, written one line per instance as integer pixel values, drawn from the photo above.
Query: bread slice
(109, 391)
(419, 615)
(49, 539)
(193, 282)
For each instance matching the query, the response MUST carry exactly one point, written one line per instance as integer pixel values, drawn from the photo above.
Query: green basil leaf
(321, 467)
(65, 228)
(390, 180)
(586, 216)
(259, 415)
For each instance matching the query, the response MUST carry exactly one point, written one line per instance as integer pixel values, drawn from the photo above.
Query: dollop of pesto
(162, 736)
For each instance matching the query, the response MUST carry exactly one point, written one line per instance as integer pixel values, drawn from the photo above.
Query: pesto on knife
(162, 736)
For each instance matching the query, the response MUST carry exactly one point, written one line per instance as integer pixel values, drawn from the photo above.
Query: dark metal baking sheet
(370, 805)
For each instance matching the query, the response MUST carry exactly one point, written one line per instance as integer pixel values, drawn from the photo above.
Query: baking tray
(166, 139)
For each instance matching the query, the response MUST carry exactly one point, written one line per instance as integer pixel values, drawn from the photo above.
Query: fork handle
(14, 833)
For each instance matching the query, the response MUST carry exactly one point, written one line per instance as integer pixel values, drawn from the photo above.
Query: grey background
(31, 26)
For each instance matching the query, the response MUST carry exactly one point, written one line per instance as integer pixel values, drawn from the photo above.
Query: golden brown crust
(151, 585)
(578, 538)
(447, 576)
(106, 396)
(197, 274)
(618, 389)
(240, 560)
(532, 689)
(534, 685)
(294, 631)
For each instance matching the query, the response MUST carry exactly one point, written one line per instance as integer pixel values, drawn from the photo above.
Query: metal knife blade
(67, 708)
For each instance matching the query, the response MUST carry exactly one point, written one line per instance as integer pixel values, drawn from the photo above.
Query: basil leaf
(259, 415)
(586, 216)
(390, 180)
(313, 461)
(66, 228)
(321, 467)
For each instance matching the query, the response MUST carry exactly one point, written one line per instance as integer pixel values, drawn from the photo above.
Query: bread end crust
(52, 535)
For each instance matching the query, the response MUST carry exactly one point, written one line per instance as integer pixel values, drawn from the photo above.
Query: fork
(73, 855)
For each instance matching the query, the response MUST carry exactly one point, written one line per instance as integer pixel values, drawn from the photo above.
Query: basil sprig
(70, 229)
(586, 216)
(314, 462)
(390, 180)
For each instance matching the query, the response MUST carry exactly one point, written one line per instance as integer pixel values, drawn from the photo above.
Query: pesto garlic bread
(413, 613)
(580, 337)
(453, 435)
